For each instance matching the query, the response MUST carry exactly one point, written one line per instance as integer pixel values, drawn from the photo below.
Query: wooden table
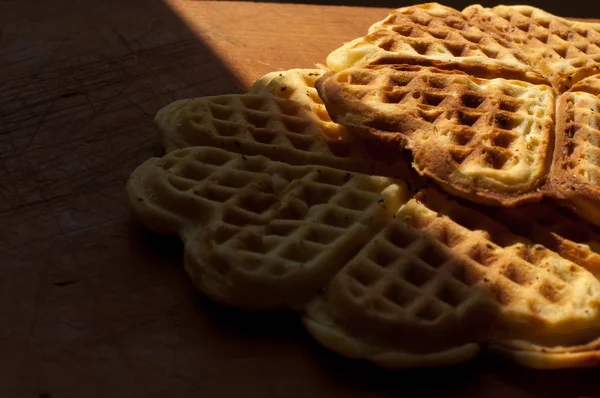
(91, 304)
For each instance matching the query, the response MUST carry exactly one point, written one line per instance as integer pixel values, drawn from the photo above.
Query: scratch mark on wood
(37, 127)
(121, 38)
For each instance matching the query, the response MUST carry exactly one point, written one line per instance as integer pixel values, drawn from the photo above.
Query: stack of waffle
(434, 191)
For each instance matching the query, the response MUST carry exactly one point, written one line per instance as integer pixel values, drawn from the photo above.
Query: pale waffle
(434, 35)
(488, 140)
(563, 51)
(262, 103)
(575, 174)
(442, 280)
(258, 233)
(283, 118)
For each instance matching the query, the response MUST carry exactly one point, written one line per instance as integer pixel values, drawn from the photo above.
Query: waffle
(260, 234)
(298, 194)
(589, 85)
(575, 174)
(563, 51)
(556, 228)
(434, 35)
(283, 118)
(294, 84)
(262, 107)
(441, 280)
(486, 140)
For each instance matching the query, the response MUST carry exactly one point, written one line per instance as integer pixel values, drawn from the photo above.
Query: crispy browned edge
(538, 357)
(566, 188)
(341, 341)
(333, 336)
(440, 168)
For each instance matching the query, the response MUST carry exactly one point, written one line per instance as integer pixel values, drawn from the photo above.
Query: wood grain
(92, 305)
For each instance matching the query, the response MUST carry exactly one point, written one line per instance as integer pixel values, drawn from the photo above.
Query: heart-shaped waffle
(488, 140)
(255, 230)
(521, 43)
(442, 280)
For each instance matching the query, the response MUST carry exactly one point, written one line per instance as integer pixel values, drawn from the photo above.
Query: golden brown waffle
(564, 51)
(589, 85)
(283, 118)
(426, 282)
(556, 228)
(441, 280)
(488, 140)
(434, 35)
(575, 173)
(259, 233)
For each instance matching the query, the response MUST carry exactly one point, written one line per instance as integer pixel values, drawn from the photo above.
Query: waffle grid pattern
(505, 282)
(439, 263)
(267, 218)
(427, 32)
(281, 117)
(403, 276)
(489, 132)
(566, 51)
(434, 262)
(582, 137)
(433, 35)
(482, 115)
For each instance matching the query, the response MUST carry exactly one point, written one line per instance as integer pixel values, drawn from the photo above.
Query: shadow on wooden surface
(485, 376)
(80, 83)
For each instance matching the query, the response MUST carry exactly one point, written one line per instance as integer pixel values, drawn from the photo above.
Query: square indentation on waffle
(253, 221)
(565, 51)
(432, 34)
(286, 121)
(318, 219)
(429, 274)
(575, 173)
(261, 121)
(581, 133)
(493, 129)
